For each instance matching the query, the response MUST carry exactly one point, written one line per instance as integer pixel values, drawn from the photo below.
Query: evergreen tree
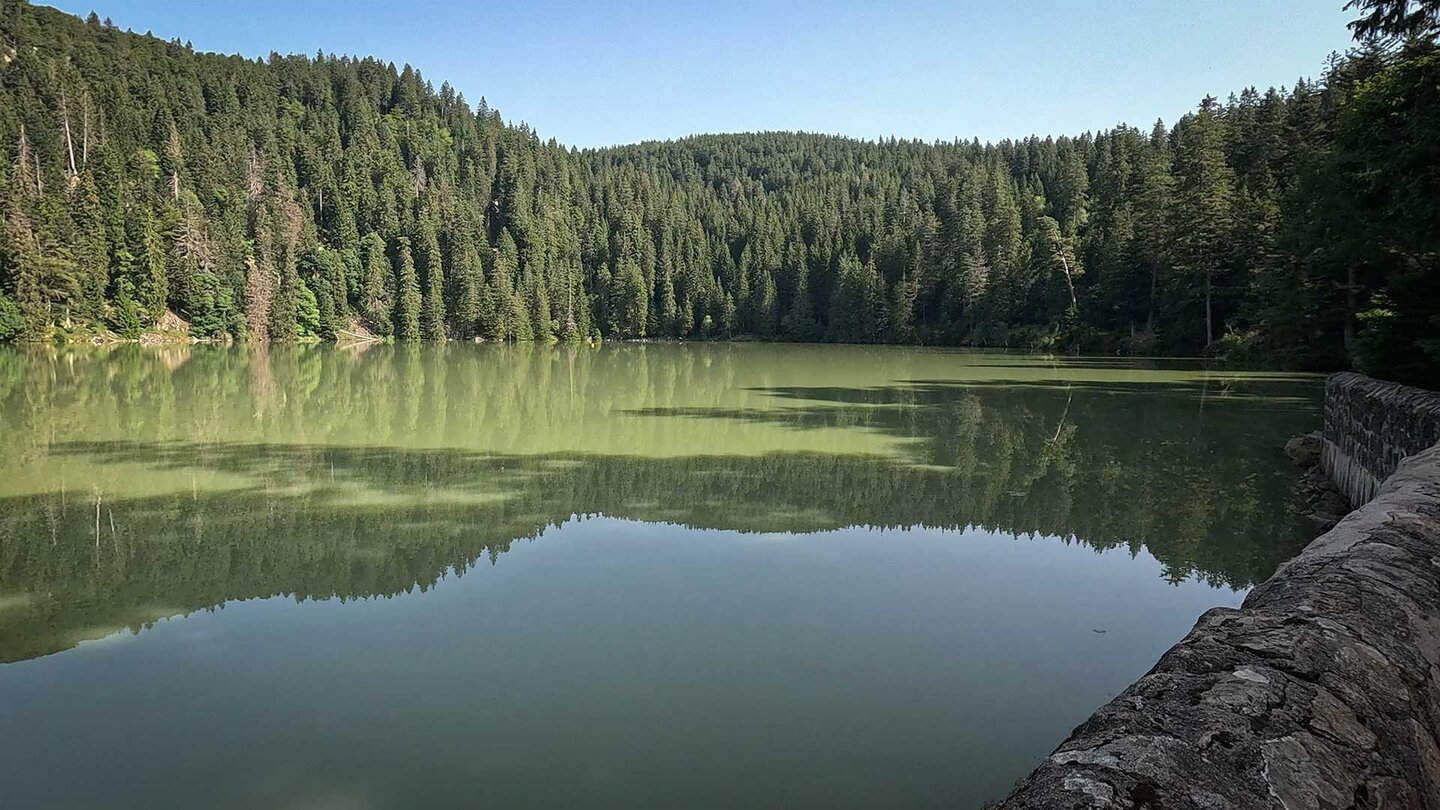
(152, 284)
(376, 284)
(630, 300)
(407, 285)
(1203, 224)
(432, 275)
(469, 294)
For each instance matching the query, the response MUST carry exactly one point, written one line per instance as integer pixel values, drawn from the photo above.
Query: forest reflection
(140, 484)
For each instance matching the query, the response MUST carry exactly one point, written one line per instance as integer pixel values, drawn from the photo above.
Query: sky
(593, 74)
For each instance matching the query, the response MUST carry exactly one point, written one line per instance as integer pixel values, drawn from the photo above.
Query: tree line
(149, 185)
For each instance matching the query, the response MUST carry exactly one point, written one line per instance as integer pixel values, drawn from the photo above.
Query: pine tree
(1058, 252)
(468, 305)
(1152, 191)
(487, 319)
(630, 301)
(799, 323)
(1002, 245)
(849, 320)
(512, 322)
(92, 255)
(1203, 224)
(153, 283)
(407, 285)
(537, 303)
(766, 314)
(376, 284)
(431, 273)
(902, 310)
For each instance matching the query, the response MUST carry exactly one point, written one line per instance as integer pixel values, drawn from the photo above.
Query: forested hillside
(323, 196)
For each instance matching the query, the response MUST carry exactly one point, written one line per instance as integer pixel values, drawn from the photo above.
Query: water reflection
(140, 484)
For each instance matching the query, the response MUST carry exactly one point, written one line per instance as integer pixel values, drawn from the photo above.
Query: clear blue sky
(606, 72)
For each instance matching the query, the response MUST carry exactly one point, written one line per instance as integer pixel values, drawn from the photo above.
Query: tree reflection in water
(142, 484)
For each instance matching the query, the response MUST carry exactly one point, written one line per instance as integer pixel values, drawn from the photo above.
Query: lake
(711, 575)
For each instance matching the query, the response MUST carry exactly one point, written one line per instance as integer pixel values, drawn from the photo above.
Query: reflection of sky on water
(823, 575)
(632, 658)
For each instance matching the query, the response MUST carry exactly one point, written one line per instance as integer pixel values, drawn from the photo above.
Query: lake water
(723, 575)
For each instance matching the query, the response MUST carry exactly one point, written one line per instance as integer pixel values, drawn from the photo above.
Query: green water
(730, 575)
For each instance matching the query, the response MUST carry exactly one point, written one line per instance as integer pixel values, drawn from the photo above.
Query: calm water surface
(644, 575)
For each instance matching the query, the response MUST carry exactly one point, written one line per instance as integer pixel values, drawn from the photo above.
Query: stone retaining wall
(1320, 691)
(1370, 425)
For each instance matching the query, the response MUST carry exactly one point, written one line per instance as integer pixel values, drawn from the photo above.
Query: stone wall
(1320, 691)
(1370, 425)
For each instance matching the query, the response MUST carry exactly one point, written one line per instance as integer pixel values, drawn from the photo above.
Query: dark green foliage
(1203, 226)
(377, 284)
(407, 284)
(302, 195)
(1388, 158)
(10, 323)
(432, 280)
(124, 318)
(308, 315)
(628, 300)
(1403, 19)
(152, 285)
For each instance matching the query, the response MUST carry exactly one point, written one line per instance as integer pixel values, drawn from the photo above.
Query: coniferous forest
(148, 186)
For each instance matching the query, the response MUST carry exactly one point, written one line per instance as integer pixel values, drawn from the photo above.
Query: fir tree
(407, 285)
